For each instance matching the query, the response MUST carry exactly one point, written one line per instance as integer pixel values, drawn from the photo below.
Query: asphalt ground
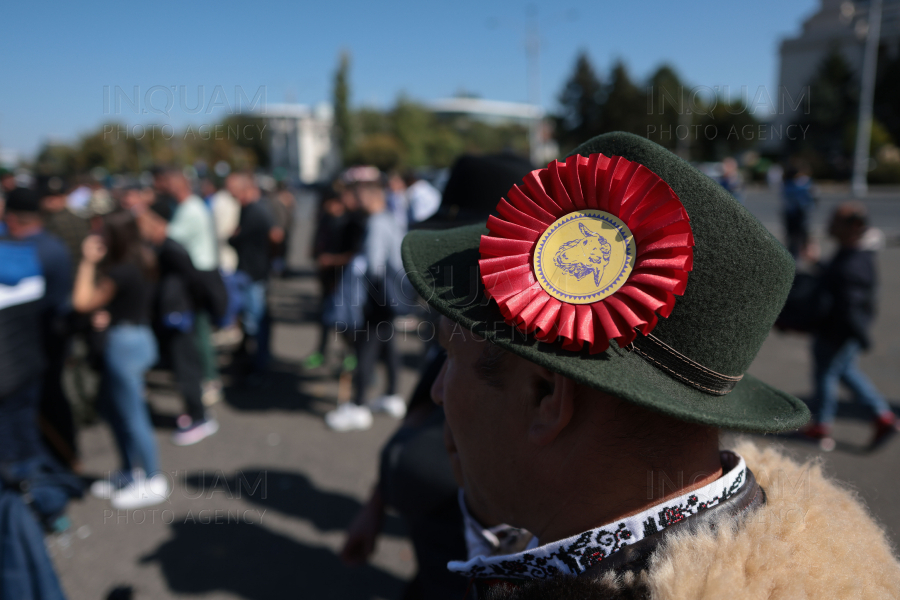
(259, 509)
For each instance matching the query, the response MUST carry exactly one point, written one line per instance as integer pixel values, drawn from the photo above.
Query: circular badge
(584, 256)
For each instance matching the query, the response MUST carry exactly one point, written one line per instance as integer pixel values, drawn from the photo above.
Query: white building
(839, 24)
(496, 112)
(301, 140)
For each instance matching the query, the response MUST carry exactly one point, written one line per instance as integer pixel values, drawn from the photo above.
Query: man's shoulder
(811, 537)
(806, 515)
(51, 248)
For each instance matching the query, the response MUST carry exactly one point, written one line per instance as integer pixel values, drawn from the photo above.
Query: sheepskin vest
(811, 539)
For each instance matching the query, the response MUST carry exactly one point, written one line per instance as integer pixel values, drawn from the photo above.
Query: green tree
(382, 150)
(666, 107)
(723, 128)
(413, 125)
(56, 159)
(580, 105)
(624, 106)
(343, 128)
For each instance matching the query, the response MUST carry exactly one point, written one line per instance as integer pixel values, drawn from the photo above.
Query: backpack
(807, 305)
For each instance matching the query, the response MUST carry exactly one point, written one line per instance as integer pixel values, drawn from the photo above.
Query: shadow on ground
(249, 561)
(291, 494)
(279, 389)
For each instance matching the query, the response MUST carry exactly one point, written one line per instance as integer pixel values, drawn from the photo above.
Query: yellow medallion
(584, 256)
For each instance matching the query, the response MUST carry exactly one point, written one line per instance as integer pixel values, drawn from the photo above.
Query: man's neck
(629, 492)
(25, 231)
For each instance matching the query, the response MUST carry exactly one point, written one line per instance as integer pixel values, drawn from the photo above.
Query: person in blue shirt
(798, 195)
(34, 277)
(24, 223)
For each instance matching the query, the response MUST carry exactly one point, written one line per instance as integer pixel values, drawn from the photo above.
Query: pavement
(259, 509)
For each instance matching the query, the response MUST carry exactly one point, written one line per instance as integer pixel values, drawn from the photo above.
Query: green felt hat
(740, 279)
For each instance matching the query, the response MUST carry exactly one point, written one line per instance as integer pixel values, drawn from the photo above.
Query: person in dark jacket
(252, 241)
(25, 223)
(849, 282)
(799, 199)
(175, 307)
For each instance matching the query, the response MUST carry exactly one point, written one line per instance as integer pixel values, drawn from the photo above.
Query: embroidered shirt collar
(492, 541)
(575, 554)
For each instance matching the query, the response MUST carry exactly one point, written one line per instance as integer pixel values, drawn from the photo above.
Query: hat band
(682, 368)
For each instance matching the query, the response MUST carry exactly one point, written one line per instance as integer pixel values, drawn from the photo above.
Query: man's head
(7, 180)
(52, 192)
(235, 183)
(371, 197)
(848, 223)
(160, 180)
(136, 198)
(601, 385)
(347, 196)
(519, 435)
(179, 186)
(243, 188)
(22, 214)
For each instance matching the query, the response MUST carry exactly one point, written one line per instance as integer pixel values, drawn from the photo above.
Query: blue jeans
(254, 307)
(255, 318)
(130, 352)
(837, 362)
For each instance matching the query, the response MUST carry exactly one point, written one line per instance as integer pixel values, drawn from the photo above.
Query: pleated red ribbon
(644, 202)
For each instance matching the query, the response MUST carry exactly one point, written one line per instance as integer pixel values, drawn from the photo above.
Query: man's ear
(554, 410)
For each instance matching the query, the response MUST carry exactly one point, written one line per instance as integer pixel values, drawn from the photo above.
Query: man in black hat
(609, 452)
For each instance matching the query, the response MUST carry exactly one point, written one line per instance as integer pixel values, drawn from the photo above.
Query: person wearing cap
(25, 223)
(598, 335)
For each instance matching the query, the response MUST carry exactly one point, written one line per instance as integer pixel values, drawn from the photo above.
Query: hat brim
(443, 268)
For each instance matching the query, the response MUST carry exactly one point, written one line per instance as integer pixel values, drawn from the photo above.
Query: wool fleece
(813, 539)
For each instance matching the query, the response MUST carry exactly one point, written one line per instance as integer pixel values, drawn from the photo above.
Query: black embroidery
(591, 547)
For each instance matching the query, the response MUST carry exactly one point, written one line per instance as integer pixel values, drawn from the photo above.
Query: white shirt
(192, 227)
(424, 200)
(575, 554)
(226, 213)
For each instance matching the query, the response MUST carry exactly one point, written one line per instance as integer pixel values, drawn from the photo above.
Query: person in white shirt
(226, 211)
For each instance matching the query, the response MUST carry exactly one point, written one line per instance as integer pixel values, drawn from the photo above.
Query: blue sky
(64, 61)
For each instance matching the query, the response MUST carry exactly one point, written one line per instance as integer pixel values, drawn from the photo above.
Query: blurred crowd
(102, 284)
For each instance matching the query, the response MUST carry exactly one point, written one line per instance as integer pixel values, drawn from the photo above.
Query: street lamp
(867, 96)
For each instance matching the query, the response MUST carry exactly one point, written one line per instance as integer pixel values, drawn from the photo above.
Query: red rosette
(656, 218)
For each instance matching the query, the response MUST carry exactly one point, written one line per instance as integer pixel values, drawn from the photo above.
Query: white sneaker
(349, 416)
(105, 488)
(190, 432)
(142, 492)
(391, 404)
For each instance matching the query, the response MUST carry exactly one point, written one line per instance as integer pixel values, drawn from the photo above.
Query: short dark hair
(493, 361)
(489, 365)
